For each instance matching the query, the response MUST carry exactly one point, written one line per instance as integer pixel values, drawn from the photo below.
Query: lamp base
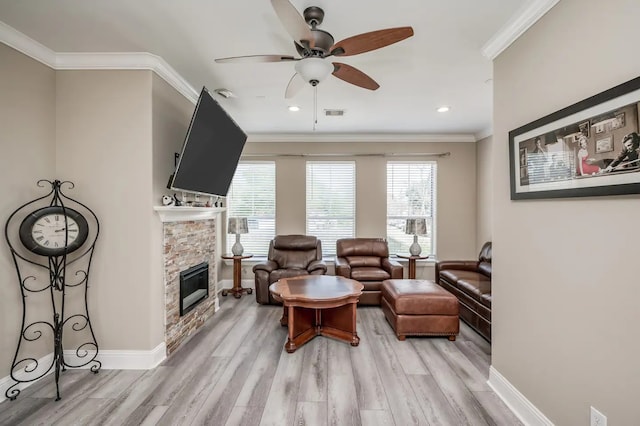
(237, 248)
(415, 248)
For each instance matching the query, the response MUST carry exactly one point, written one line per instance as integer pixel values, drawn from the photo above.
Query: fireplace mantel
(179, 214)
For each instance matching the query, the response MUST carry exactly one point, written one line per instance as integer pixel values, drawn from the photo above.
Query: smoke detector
(225, 93)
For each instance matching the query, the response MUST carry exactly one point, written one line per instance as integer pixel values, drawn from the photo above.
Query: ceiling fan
(315, 45)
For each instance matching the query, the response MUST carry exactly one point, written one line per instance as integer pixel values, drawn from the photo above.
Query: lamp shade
(314, 69)
(238, 225)
(416, 226)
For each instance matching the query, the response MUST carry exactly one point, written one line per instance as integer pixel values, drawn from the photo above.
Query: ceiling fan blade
(295, 85)
(256, 58)
(370, 41)
(354, 76)
(293, 22)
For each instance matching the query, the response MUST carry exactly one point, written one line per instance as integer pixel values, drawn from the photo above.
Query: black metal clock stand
(65, 271)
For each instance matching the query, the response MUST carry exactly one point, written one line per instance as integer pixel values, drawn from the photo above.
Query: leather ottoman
(420, 308)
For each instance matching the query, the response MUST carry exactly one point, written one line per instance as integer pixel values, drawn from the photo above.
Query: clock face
(53, 231)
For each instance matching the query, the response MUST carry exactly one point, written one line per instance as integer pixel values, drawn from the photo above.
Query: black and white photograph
(618, 121)
(565, 158)
(604, 145)
(585, 128)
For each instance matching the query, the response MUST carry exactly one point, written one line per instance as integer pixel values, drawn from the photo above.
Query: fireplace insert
(194, 286)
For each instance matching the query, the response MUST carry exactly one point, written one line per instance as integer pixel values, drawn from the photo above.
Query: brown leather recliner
(470, 282)
(289, 256)
(366, 260)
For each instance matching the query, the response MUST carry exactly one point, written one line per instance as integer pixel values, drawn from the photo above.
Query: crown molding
(520, 23)
(359, 137)
(15, 39)
(127, 61)
(484, 133)
(96, 61)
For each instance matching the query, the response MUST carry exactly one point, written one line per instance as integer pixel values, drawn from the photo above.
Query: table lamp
(237, 225)
(415, 226)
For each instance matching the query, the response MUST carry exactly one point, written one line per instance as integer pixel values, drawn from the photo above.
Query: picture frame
(585, 128)
(618, 122)
(604, 145)
(620, 106)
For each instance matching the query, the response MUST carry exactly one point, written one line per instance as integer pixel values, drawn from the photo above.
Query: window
(253, 195)
(411, 192)
(331, 202)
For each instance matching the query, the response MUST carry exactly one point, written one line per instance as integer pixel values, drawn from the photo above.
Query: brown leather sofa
(470, 282)
(289, 256)
(366, 260)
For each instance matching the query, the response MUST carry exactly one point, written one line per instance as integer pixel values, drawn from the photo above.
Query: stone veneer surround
(186, 244)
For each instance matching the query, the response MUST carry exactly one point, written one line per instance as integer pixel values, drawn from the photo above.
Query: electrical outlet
(597, 418)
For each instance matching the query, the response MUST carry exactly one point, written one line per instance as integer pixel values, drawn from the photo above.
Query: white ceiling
(442, 64)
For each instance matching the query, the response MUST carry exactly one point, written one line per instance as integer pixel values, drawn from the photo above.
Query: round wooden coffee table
(318, 305)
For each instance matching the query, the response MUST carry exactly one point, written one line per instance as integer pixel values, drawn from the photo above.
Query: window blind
(253, 195)
(331, 202)
(411, 192)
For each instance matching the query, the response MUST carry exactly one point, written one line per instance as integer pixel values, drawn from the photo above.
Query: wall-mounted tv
(211, 150)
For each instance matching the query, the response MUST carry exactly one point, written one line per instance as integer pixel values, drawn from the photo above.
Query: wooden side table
(237, 289)
(412, 263)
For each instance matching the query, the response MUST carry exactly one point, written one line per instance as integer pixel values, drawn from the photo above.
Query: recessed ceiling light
(443, 109)
(294, 108)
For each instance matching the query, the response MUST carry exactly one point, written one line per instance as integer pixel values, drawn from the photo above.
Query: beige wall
(27, 141)
(103, 144)
(112, 133)
(565, 282)
(484, 184)
(456, 192)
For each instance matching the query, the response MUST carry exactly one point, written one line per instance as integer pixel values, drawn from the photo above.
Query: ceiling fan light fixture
(314, 70)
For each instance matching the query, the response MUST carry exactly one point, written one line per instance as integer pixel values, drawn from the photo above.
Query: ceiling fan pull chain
(315, 107)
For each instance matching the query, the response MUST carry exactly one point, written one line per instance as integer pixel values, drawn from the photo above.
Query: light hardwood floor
(234, 371)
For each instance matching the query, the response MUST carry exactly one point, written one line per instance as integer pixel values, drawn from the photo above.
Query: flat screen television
(210, 152)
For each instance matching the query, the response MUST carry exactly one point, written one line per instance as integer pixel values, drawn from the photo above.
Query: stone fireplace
(189, 241)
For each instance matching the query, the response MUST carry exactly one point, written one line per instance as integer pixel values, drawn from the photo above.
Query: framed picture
(587, 169)
(604, 145)
(618, 121)
(584, 128)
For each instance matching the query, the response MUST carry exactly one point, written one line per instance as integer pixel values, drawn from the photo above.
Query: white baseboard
(517, 402)
(222, 284)
(7, 382)
(228, 284)
(110, 359)
(123, 359)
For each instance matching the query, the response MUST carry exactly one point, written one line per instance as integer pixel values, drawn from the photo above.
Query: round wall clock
(54, 231)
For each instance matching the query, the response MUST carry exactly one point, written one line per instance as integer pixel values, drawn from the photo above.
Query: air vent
(334, 112)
